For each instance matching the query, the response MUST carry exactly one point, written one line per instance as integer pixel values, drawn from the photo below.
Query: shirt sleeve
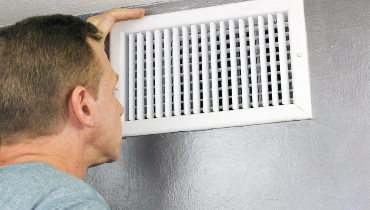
(77, 203)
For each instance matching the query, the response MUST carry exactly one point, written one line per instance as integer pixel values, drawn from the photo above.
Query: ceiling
(12, 11)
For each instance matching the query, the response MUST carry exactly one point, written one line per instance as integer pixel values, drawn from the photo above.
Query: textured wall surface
(323, 163)
(12, 11)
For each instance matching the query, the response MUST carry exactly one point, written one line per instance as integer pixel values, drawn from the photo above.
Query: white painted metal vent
(212, 71)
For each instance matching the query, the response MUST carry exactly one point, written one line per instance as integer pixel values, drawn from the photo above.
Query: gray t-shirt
(40, 186)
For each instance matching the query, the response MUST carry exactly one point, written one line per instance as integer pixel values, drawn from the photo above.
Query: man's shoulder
(41, 186)
(41, 177)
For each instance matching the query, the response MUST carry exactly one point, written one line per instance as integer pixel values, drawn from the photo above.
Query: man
(58, 112)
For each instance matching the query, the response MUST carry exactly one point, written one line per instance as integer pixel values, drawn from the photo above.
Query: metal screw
(299, 54)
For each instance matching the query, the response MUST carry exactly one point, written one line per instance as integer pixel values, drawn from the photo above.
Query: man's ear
(83, 105)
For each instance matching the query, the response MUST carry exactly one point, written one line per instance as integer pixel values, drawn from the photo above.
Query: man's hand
(104, 22)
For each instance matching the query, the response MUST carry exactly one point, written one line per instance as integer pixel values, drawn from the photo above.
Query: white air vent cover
(230, 65)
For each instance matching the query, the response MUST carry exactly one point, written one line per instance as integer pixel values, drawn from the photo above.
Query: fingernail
(109, 19)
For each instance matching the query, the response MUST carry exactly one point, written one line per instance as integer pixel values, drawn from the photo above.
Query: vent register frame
(164, 60)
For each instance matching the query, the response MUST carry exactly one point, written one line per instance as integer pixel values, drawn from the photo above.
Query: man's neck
(64, 152)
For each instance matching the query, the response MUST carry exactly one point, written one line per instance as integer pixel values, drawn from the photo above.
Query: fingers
(104, 22)
(120, 14)
(124, 14)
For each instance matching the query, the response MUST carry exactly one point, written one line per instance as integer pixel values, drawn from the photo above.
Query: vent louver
(212, 71)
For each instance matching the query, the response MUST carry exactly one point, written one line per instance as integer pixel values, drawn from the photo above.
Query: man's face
(109, 129)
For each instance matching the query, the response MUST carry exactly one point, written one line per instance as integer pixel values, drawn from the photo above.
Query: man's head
(42, 59)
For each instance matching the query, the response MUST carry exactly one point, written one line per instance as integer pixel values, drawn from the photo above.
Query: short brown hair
(42, 59)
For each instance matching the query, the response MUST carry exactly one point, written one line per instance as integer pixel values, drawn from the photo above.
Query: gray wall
(323, 163)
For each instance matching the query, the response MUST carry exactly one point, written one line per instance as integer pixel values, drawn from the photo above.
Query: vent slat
(283, 59)
(158, 74)
(263, 61)
(244, 65)
(213, 38)
(131, 76)
(224, 70)
(272, 55)
(140, 76)
(205, 69)
(123, 74)
(186, 69)
(253, 63)
(149, 75)
(195, 69)
(167, 73)
(234, 80)
(176, 71)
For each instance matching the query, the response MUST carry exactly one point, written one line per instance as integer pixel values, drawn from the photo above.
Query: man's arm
(104, 22)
